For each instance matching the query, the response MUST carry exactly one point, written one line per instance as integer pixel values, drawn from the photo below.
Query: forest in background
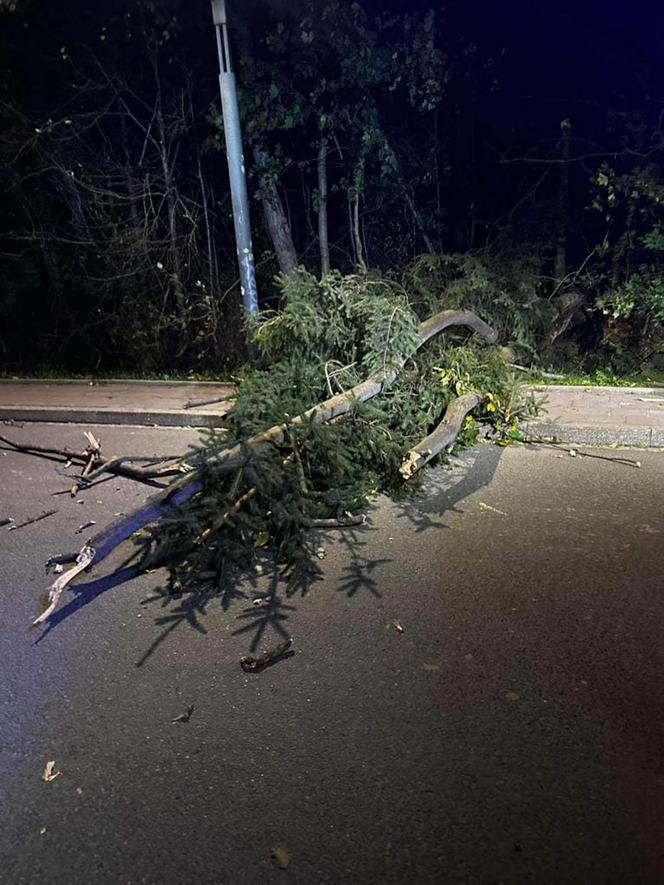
(375, 148)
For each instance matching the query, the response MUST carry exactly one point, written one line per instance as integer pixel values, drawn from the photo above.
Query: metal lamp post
(234, 155)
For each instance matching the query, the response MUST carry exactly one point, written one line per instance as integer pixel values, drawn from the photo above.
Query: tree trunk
(355, 234)
(418, 222)
(323, 239)
(560, 267)
(276, 219)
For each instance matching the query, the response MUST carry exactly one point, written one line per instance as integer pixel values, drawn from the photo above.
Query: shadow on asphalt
(441, 492)
(444, 487)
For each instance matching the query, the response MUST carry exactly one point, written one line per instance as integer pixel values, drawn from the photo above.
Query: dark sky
(561, 57)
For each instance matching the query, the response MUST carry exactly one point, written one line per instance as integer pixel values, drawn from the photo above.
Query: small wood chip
(252, 663)
(491, 509)
(86, 525)
(48, 774)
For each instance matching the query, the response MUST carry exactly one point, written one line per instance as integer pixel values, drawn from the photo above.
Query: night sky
(534, 65)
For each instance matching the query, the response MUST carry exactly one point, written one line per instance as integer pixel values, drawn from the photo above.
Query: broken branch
(443, 436)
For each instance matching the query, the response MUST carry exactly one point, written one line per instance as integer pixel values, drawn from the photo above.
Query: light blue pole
(235, 158)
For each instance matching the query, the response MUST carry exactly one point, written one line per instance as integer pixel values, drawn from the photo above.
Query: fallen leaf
(431, 668)
(261, 539)
(512, 696)
(48, 774)
(280, 856)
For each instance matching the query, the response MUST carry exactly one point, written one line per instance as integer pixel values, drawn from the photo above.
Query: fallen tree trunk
(189, 485)
(443, 436)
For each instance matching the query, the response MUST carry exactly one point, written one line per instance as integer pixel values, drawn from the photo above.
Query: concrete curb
(111, 416)
(110, 382)
(120, 402)
(643, 437)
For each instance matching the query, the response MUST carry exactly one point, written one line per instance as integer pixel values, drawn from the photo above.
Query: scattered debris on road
(574, 453)
(86, 525)
(254, 663)
(280, 856)
(491, 509)
(54, 592)
(398, 626)
(48, 774)
(186, 716)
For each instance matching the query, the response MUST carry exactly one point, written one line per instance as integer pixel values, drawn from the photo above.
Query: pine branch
(163, 503)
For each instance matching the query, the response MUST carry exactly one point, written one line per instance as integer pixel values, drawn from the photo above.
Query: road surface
(512, 733)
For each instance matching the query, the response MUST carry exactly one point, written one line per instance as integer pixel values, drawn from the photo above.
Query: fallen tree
(256, 493)
(225, 461)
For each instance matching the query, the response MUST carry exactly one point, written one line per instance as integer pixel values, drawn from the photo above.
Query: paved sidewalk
(600, 415)
(162, 403)
(590, 415)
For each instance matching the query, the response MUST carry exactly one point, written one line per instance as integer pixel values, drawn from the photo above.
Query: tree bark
(323, 238)
(560, 267)
(276, 219)
(356, 235)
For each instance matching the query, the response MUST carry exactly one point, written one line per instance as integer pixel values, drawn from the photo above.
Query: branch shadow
(442, 491)
(446, 485)
(190, 610)
(86, 593)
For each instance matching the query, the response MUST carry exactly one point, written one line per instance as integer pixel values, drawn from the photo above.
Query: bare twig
(553, 376)
(54, 592)
(577, 453)
(32, 520)
(196, 403)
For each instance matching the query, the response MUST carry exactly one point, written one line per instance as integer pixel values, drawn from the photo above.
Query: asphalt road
(512, 733)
